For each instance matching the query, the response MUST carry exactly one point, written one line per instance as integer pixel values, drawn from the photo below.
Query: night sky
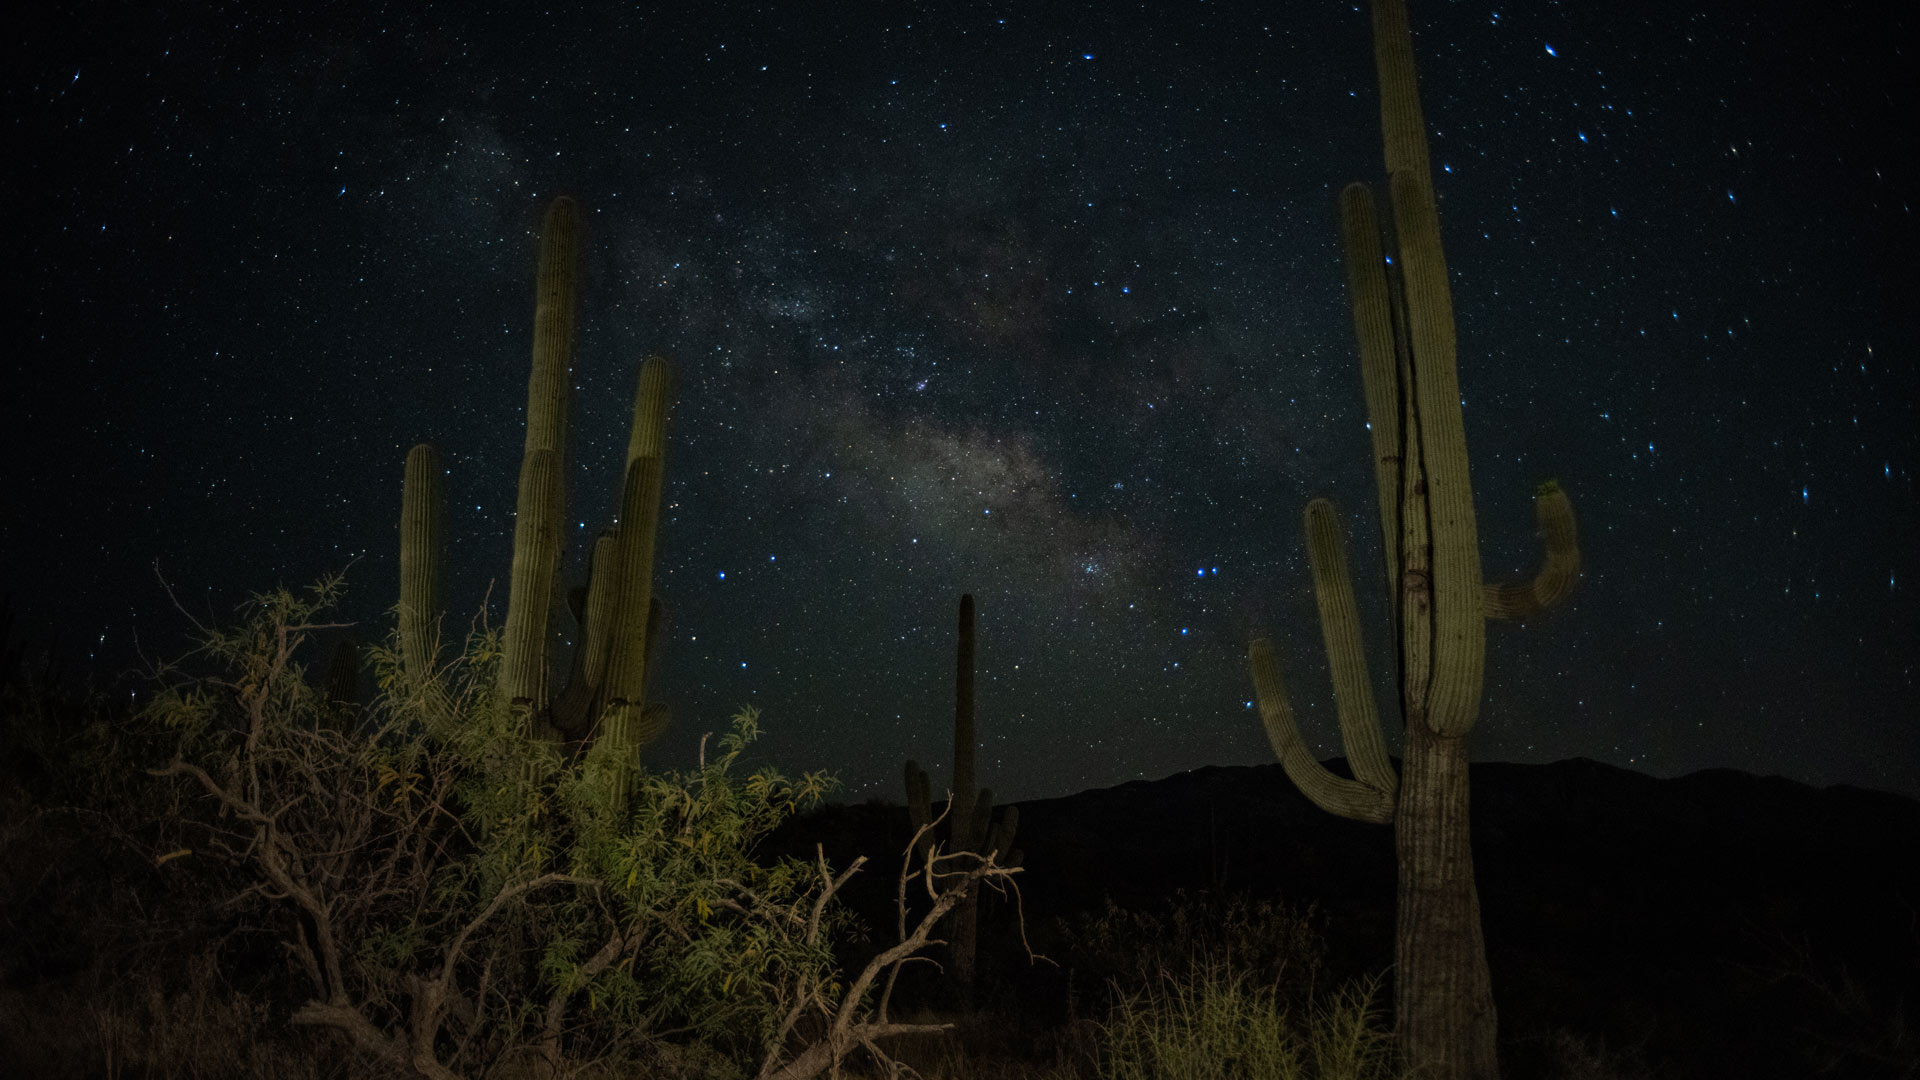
(1041, 302)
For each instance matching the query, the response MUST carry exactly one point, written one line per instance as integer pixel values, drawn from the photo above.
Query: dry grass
(190, 1028)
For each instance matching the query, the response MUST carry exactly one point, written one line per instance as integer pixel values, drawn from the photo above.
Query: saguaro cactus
(423, 544)
(1403, 319)
(970, 822)
(635, 618)
(621, 621)
(537, 523)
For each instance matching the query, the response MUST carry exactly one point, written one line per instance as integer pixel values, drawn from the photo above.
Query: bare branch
(357, 1027)
(432, 996)
(557, 1004)
(848, 1029)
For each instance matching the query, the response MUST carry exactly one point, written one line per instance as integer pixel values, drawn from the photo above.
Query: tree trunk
(1443, 999)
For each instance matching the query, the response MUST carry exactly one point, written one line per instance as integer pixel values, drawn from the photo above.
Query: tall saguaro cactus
(621, 622)
(970, 823)
(1403, 319)
(537, 524)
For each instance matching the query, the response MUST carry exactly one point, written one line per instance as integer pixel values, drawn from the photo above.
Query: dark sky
(1037, 301)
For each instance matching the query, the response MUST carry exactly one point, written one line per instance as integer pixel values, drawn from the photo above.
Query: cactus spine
(1444, 1012)
(970, 823)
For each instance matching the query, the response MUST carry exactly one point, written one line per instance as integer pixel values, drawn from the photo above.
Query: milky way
(1041, 303)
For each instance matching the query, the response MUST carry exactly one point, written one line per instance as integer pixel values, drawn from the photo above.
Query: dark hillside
(1719, 924)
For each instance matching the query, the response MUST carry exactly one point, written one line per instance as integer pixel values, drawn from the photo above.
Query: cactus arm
(1559, 561)
(1000, 837)
(1334, 794)
(639, 530)
(575, 707)
(626, 668)
(627, 721)
(1346, 655)
(1373, 326)
(536, 556)
(983, 819)
(919, 806)
(603, 581)
(423, 510)
(623, 618)
(652, 396)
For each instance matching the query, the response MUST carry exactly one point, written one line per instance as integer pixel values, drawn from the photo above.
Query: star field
(1038, 302)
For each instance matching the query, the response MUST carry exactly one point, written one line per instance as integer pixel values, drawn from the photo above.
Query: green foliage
(1207, 985)
(1217, 1023)
(444, 876)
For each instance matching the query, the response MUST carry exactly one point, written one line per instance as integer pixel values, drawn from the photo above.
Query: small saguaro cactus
(423, 544)
(1403, 319)
(998, 832)
(971, 826)
(621, 621)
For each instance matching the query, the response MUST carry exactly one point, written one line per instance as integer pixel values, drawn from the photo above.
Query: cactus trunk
(1442, 994)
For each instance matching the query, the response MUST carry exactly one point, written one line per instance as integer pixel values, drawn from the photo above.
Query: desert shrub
(271, 879)
(1215, 1022)
(106, 958)
(1209, 985)
(1271, 942)
(452, 891)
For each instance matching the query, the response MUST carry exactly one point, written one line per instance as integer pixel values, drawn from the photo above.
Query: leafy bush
(454, 892)
(1217, 1023)
(1221, 985)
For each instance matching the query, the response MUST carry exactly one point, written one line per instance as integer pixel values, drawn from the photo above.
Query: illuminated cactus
(624, 717)
(621, 622)
(1403, 319)
(542, 503)
(423, 545)
(970, 822)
